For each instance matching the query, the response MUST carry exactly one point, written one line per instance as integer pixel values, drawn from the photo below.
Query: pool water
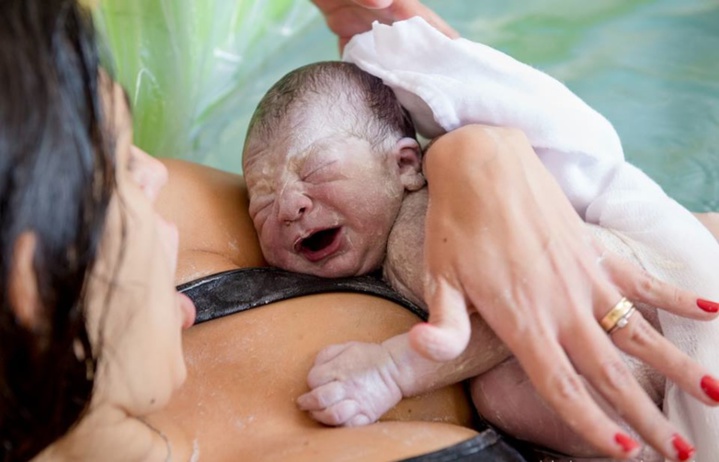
(195, 69)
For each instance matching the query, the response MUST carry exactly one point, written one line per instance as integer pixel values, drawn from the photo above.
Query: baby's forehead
(289, 153)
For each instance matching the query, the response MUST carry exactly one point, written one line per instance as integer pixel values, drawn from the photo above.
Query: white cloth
(447, 83)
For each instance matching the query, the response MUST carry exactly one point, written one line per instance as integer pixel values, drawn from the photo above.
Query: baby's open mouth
(318, 245)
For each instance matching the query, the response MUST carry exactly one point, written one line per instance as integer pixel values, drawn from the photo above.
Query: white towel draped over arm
(447, 83)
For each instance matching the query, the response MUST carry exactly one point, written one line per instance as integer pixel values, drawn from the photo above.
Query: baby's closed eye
(258, 203)
(318, 172)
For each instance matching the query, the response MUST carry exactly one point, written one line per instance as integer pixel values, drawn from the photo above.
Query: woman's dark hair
(56, 181)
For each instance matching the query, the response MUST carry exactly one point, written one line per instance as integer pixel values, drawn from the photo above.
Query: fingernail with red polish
(706, 305)
(683, 448)
(627, 443)
(710, 385)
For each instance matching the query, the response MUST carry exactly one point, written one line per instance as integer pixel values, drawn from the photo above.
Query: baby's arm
(356, 383)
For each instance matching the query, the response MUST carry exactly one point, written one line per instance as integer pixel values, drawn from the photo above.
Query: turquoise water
(196, 69)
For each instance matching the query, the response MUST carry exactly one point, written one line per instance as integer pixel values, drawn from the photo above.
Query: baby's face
(323, 204)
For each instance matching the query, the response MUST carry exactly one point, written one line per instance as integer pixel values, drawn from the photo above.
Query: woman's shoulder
(209, 207)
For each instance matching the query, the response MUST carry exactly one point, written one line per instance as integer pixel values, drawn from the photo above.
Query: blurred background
(195, 70)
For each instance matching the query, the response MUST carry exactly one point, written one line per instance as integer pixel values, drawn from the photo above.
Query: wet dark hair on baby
(369, 107)
(56, 181)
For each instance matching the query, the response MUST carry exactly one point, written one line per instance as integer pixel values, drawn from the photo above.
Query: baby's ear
(407, 154)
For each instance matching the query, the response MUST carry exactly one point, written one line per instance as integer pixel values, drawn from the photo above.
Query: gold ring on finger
(618, 316)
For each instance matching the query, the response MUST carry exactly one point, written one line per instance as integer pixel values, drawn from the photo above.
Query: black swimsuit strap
(238, 290)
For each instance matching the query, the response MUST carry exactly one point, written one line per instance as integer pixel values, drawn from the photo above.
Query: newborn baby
(333, 171)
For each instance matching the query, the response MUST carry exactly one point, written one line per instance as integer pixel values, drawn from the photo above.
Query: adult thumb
(447, 333)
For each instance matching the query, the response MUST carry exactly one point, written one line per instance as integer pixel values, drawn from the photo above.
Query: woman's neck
(109, 434)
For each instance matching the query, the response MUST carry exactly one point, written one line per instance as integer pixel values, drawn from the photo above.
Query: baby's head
(328, 157)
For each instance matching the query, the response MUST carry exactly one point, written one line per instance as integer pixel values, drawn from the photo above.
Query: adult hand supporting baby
(349, 17)
(521, 257)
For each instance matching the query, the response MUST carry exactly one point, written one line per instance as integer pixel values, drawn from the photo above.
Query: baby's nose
(293, 204)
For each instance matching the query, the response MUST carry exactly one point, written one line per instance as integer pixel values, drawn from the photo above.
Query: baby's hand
(352, 384)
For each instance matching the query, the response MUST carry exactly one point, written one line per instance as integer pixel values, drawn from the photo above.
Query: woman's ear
(22, 288)
(407, 154)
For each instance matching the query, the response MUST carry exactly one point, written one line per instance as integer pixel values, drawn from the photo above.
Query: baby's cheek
(276, 254)
(269, 251)
(268, 232)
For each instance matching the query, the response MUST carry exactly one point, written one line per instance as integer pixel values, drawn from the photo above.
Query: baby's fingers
(322, 397)
(637, 284)
(329, 405)
(322, 372)
(345, 413)
(447, 333)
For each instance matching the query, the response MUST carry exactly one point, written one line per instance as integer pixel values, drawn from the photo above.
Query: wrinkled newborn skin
(325, 203)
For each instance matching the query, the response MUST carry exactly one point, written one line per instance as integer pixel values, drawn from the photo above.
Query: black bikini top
(238, 290)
